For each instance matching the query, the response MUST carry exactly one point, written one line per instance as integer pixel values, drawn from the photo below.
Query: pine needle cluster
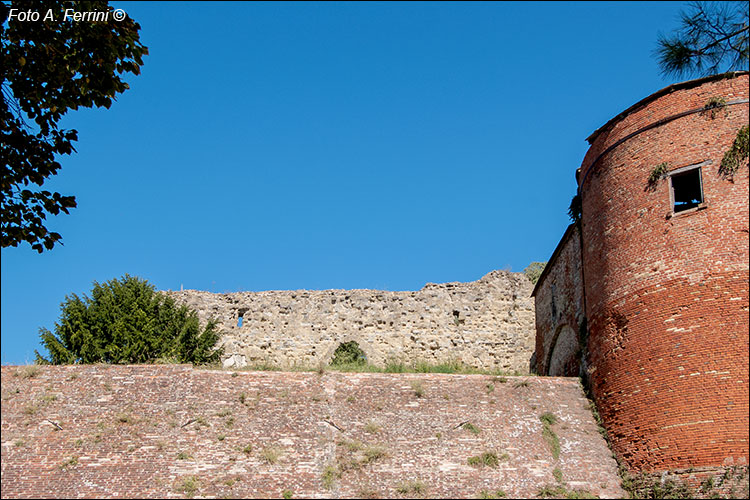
(127, 321)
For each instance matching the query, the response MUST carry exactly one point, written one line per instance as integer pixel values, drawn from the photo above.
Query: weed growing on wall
(471, 428)
(737, 154)
(412, 488)
(713, 105)
(657, 174)
(548, 420)
(486, 459)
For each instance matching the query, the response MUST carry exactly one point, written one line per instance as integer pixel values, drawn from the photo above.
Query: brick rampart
(173, 431)
(667, 293)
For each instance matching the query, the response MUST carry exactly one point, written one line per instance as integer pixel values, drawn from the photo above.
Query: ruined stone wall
(560, 309)
(487, 324)
(151, 431)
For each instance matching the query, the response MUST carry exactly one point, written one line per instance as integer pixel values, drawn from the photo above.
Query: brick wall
(667, 294)
(173, 431)
(559, 309)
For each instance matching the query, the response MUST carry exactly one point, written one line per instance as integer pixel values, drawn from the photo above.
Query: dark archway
(563, 355)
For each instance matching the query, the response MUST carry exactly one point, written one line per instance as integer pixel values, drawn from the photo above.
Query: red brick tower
(665, 268)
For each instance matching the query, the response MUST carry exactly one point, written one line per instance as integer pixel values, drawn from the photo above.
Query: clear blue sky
(335, 145)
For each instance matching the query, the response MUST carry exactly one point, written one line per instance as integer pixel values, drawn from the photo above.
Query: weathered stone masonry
(486, 324)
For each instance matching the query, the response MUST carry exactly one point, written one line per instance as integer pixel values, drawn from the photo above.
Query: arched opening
(348, 354)
(563, 356)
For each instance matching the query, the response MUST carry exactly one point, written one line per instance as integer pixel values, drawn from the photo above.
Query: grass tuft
(330, 474)
(486, 459)
(548, 420)
(412, 488)
(418, 388)
(471, 428)
(270, 455)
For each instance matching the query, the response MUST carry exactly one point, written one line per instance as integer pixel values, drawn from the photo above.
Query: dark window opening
(240, 317)
(456, 319)
(687, 190)
(348, 354)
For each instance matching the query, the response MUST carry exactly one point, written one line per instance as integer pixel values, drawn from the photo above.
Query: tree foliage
(712, 38)
(534, 271)
(575, 209)
(128, 321)
(48, 68)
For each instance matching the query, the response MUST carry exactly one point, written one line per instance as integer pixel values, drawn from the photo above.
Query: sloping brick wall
(174, 431)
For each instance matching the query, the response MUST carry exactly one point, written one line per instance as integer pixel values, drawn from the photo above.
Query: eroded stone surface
(487, 324)
(153, 431)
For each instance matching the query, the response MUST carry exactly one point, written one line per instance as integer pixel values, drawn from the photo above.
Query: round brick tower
(665, 267)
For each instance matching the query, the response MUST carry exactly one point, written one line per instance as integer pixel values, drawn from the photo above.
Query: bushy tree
(712, 38)
(348, 353)
(534, 271)
(128, 321)
(48, 67)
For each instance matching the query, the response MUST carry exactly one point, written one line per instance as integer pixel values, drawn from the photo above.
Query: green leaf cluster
(575, 210)
(534, 271)
(128, 321)
(48, 68)
(712, 38)
(737, 154)
(657, 173)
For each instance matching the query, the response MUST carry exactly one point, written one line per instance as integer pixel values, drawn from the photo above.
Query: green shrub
(534, 271)
(128, 321)
(348, 353)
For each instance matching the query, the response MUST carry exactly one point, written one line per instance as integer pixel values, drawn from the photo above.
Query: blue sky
(335, 145)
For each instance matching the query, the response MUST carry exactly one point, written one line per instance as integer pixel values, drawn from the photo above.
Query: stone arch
(331, 347)
(562, 360)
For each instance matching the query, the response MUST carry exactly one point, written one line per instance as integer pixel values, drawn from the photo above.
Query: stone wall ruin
(486, 324)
